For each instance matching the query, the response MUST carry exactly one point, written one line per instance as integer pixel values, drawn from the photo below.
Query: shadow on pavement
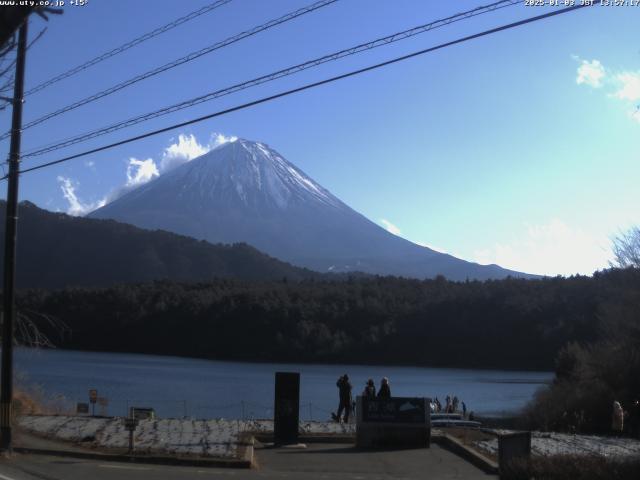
(352, 449)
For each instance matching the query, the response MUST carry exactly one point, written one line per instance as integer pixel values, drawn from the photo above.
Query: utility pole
(11, 230)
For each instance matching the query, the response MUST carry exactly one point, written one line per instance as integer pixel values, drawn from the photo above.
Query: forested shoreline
(504, 324)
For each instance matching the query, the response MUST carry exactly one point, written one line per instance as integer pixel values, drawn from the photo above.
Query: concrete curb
(311, 438)
(472, 456)
(246, 460)
(322, 438)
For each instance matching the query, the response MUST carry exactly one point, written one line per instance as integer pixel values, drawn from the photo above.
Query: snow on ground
(543, 444)
(75, 429)
(327, 428)
(216, 438)
(221, 438)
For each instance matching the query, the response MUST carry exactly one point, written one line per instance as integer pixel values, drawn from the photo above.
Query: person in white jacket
(617, 418)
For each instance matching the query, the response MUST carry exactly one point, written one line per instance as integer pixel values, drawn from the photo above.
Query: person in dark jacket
(344, 392)
(369, 389)
(385, 390)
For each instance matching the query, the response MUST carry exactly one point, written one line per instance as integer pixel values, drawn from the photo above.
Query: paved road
(319, 461)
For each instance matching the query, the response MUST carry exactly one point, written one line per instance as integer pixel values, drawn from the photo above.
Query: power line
(272, 76)
(128, 45)
(187, 58)
(310, 85)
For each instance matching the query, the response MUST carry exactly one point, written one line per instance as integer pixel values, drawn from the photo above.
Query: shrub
(573, 467)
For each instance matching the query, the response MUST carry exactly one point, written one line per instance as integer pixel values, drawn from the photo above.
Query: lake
(177, 387)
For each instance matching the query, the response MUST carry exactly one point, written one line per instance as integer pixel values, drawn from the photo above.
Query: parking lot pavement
(317, 461)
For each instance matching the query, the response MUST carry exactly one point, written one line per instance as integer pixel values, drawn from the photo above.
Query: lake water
(177, 387)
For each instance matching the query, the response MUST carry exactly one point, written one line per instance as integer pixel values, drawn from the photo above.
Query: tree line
(505, 324)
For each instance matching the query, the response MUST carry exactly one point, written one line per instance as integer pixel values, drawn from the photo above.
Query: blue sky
(520, 148)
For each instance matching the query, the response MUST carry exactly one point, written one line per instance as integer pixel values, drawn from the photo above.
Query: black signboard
(82, 408)
(140, 413)
(130, 424)
(286, 408)
(394, 410)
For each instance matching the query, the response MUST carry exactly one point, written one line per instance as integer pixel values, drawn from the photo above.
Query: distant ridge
(245, 191)
(56, 250)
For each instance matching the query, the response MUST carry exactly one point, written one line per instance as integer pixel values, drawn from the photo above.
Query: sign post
(130, 424)
(104, 403)
(93, 398)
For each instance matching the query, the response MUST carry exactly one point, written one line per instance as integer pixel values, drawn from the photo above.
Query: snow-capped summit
(250, 173)
(244, 191)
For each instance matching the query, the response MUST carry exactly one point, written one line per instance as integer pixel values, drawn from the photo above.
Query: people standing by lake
(347, 406)
(344, 393)
(452, 405)
(369, 389)
(385, 389)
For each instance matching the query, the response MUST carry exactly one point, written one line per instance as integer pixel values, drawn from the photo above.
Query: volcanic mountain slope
(56, 250)
(245, 191)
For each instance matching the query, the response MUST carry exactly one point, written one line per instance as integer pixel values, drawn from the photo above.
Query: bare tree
(33, 329)
(626, 249)
(10, 20)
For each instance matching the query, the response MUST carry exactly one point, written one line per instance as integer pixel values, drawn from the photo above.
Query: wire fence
(183, 408)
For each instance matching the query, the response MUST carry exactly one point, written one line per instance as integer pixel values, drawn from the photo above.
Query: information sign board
(394, 410)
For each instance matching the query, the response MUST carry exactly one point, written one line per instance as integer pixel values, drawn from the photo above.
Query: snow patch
(551, 443)
(210, 438)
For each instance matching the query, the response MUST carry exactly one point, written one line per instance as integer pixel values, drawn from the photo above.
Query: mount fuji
(245, 191)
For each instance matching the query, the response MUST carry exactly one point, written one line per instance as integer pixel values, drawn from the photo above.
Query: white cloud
(184, 150)
(187, 148)
(390, 227)
(90, 163)
(140, 172)
(218, 139)
(553, 248)
(590, 73)
(630, 86)
(627, 83)
(76, 207)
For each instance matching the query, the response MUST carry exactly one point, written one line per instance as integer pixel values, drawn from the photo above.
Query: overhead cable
(180, 61)
(309, 86)
(270, 77)
(128, 45)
